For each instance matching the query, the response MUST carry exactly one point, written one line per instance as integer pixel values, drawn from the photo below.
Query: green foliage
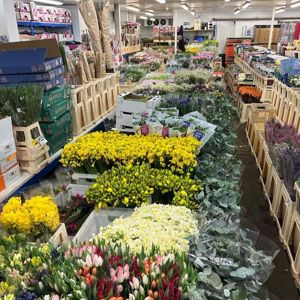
(22, 103)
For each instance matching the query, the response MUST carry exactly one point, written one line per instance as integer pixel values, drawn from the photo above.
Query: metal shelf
(43, 24)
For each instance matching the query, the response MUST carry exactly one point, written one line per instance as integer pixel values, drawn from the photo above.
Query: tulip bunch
(131, 186)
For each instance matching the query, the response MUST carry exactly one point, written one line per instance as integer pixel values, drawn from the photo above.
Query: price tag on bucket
(198, 135)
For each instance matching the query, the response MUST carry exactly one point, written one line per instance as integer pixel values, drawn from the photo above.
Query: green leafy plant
(22, 103)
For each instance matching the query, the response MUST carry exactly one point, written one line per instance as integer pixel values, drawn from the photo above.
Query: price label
(165, 132)
(41, 140)
(198, 135)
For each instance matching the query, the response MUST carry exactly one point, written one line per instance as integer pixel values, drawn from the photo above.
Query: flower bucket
(99, 219)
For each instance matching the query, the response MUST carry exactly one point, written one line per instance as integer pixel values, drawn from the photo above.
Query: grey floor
(280, 283)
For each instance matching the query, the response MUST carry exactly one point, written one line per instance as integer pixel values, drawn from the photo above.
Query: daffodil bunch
(131, 186)
(164, 226)
(34, 217)
(178, 154)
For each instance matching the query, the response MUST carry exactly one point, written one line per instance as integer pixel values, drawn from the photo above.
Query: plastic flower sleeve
(89, 15)
(231, 260)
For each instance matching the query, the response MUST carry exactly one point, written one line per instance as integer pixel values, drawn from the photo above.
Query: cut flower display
(131, 186)
(35, 217)
(178, 154)
(165, 226)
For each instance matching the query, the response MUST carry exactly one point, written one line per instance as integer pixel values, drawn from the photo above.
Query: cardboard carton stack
(9, 167)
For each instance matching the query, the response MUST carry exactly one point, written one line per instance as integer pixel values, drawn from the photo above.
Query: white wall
(180, 16)
(8, 21)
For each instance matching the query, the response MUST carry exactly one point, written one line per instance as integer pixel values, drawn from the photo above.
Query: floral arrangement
(131, 186)
(166, 122)
(165, 226)
(154, 87)
(74, 213)
(36, 216)
(178, 154)
(195, 77)
(249, 93)
(95, 270)
(132, 73)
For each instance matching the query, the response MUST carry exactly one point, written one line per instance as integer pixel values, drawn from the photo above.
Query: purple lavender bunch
(291, 169)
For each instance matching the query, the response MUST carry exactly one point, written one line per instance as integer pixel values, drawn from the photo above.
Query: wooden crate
(272, 187)
(263, 151)
(292, 244)
(79, 112)
(259, 129)
(266, 170)
(297, 189)
(60, 237)
(24, 137)
(282, 211)
(33, 166)
(243, 109)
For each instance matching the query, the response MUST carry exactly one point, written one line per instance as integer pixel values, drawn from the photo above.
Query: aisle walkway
(280, 283)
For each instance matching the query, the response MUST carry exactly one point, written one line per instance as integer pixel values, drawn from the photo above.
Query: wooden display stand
(79, 113)
(92, 100)
(31, 154)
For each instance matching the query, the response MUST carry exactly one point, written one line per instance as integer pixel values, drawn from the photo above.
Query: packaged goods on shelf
(9, 168)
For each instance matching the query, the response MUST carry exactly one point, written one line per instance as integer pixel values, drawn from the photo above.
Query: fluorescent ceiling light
(192, 12)
(246, 4)
(161, 1)
(133, 8)
(295, 4)
(152, 19)
(227, 0)
(53, 2)
(143, 18)
(279, 10)
(236, 11)
(148, 13)
(185, 6)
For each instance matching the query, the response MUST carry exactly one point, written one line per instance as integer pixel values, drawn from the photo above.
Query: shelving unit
(27, 179)
(33, 24)
(131, 41)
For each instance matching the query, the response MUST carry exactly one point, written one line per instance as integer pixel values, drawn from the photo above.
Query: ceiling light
(192, 12)
(143, 18)
(280, 9)
(148, 13)
(133, 8)
(161, 1)
(185, 6)
(246, 4)
(295, 4)
(152, 19)
(236, 11)
(227, 0)
(50, 2)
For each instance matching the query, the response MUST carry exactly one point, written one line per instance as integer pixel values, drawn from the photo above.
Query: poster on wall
(247, 31)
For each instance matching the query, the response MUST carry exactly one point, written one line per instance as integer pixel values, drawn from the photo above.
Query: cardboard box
(21, 78)
(8, 162)
(6, 132)
(9, 177)
(7, 149)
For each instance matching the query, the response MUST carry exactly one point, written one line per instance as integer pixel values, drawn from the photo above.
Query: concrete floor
(280, 283)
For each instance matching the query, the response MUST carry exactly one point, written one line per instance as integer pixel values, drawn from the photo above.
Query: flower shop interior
(149, 150)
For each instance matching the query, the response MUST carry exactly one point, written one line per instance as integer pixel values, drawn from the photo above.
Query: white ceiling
(203, 6)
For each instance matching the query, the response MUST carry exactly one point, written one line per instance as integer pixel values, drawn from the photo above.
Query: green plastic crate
(54, 112)
(55, 95)
(58, 140)
(54, 127)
